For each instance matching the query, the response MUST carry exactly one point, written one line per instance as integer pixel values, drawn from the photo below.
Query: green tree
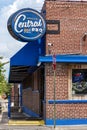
(5, 87)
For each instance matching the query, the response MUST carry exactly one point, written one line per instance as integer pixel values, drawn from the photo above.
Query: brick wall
(15, 95)
(61, 85)
(73, 25)
(61, 82)
(67, 111)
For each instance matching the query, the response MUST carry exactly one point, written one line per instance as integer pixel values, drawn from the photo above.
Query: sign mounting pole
(54, 70)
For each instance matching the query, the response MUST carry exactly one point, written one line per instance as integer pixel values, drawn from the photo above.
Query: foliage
(5, 87)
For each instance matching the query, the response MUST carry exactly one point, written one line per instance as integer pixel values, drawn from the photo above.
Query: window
(79, 81)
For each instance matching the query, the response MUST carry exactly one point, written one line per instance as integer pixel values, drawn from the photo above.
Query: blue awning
(28, 55)
(64, 59)
(25, 60)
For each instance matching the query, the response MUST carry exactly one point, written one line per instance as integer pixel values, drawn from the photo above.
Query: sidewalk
(5, 126)
(4, 118)
(72, 127)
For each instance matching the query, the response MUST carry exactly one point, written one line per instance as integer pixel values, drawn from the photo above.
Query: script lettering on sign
(27, 25)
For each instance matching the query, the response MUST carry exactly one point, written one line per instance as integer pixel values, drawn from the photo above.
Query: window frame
(70, 95)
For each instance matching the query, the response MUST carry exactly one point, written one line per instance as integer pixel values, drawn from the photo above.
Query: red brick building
(59, 97)
(69, 43)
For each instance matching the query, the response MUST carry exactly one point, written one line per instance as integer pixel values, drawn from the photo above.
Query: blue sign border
(25, 37)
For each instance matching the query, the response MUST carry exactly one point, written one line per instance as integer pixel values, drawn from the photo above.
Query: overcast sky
(8, 45)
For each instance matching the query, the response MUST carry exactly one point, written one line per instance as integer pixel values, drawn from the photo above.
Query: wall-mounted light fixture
(49, 48)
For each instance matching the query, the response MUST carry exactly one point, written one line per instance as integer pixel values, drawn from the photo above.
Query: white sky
(8, 45)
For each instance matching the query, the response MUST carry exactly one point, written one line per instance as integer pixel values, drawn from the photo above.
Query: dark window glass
(79, 81)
